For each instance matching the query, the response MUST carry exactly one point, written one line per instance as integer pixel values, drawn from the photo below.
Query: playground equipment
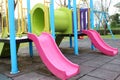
(21, 19)
(12, 33)
(55, 61)
(100, 43)
(39, 23)
(4, 49)
(84, 20)
(47, 24)
(103, 16)
(4, 19)
(4, 42)
(38, 26)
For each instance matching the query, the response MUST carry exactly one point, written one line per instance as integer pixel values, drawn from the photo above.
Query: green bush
(118, 25)
(113, 24)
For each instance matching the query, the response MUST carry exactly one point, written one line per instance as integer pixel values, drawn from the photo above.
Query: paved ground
(93, 64)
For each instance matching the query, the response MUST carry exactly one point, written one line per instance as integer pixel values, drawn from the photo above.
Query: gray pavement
(93, 64)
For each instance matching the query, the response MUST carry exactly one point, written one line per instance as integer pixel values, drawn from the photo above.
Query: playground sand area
(93, 64)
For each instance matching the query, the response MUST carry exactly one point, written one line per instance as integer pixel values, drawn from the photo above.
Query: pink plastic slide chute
(53, 58)
(100, 44)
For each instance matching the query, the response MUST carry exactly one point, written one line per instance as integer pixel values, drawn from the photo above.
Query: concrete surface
(93, 64)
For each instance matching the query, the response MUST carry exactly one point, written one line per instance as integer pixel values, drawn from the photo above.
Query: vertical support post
(88, 19)
(100, 20)
(91, 19)
(7, 16)
(106, 21)
(70, 41)
(52, 18)
(91, 15)
(14, 67)
(29, 27)
(75, 28)
(84, 19)
(81, 19)
(69, 7)
(69, 4)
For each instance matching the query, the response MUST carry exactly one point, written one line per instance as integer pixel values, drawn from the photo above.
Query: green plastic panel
(41, 23)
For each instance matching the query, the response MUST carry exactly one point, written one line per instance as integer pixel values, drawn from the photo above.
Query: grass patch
(110, 36)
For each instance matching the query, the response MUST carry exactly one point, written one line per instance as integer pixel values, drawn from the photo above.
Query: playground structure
(59, 66)
(40, 19)
(103, 16)
(21, 25)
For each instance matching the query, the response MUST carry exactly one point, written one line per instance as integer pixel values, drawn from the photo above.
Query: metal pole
(92, 20)
(70, 41)
(69, 4)
(29, 27)
(14, 67)
(91, 14)
(81, 19)
(52, 18)
(69, 7)
(84, 19)
(75, 28)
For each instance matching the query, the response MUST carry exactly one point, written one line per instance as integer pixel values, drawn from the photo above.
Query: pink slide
(53, 58)
(100, 44)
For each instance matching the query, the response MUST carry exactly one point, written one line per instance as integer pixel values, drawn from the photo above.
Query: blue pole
(14, 67)
(104, 14)
(91, 14)
(69, 7)
(70, 42)
(92, 20)
(52, 18)
(29, 27)
(28, 15)
(69, 4)
(75, 28)
(100, 20)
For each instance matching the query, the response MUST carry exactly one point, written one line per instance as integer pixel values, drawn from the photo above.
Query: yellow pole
(18, 28)
(88, 18)
(46, 16)
(79, 15)
(4, 21)
(22, 27)
(24, 21)
(7, 27)
(2, 14)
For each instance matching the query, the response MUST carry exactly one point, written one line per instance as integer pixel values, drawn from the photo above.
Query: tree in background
(61, 3)
(115, 20)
